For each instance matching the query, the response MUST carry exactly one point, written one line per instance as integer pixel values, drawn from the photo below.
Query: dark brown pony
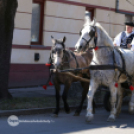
(61, 58)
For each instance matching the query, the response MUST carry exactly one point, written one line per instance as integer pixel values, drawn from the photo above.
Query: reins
(51, 63)
(105, 67)
(95, 40)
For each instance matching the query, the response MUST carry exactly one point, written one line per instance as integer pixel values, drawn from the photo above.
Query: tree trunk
(7, 15)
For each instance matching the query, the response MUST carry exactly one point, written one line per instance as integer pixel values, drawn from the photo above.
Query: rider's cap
(129, 23)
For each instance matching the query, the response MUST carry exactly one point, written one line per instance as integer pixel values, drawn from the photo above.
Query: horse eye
(53, 51)
(92, 33)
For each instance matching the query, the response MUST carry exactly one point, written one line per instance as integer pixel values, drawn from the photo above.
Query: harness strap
(66, 55)
(122, 58)
(74, 58)
(124, 68)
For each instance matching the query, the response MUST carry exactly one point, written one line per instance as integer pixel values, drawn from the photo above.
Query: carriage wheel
(106, 101)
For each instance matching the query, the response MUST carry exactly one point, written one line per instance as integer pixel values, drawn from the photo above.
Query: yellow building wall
(22, 31)
(104, 3)
(26, 56)
(22, 36)
(125, 5)
(111, 21)
(61, 19)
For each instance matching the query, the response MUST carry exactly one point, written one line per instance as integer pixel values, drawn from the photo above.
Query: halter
(61, 58)
(57, 42)
(92, 34)
(64, 56)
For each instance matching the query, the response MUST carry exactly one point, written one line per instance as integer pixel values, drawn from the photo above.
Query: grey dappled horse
(104, 53)
(62, 59)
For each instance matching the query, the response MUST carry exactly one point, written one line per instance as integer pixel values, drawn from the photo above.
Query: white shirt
(117, 39)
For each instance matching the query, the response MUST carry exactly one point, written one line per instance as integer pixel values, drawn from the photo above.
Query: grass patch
(44, 102)
(41, 102)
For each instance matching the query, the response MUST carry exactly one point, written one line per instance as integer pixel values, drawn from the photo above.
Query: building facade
(37, 20)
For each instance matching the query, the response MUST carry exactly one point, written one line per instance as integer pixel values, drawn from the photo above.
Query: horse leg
(113, 91)
(131, 104)
(64, 97)
(84, 94)
(120, 98)
(92, 88)
(57, 95)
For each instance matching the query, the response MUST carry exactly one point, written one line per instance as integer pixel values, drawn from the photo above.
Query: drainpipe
(117, 9)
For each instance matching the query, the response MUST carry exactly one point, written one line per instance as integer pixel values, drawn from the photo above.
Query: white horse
(94, 36)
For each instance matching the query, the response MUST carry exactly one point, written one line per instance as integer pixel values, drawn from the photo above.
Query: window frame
(41, 3)
(92, 12)
(128, 16)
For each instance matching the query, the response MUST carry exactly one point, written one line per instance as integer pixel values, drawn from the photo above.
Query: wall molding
(61, 17)
(89, 5)
(32, 47)
(110, 23)
(60, 32)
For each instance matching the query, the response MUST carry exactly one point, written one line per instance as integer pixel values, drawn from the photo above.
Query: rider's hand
(129, 46)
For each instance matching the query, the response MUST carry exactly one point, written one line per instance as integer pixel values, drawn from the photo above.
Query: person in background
(125, 39)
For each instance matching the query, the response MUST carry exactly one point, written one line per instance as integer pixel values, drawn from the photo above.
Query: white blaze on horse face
(58, 55)
(83, 40)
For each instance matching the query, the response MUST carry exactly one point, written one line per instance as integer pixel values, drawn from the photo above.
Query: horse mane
(107, 39)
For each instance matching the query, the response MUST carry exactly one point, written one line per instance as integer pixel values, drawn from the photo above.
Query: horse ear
(53, 40)
(94, 21)
(64, 39)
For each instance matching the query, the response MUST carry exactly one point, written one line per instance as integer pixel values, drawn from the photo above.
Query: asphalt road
(69, 124)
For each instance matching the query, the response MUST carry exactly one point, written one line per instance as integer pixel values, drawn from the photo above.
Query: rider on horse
(125, 39)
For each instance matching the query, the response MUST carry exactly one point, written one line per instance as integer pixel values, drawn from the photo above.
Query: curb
(25, 111)
(36, 110)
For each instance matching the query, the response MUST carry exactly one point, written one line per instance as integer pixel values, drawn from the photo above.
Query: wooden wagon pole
(71, 75)
(91, 67)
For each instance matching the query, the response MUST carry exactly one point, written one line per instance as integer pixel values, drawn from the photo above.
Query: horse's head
(87, 35)
(57, 51)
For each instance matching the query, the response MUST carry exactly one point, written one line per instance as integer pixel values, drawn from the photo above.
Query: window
(128, 17)
(37, 22)
(89, 13)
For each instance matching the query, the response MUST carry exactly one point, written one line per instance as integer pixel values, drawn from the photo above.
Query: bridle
(92, 35)
(62, 58)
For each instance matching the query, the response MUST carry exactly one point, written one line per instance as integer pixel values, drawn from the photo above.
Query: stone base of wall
(24, 75)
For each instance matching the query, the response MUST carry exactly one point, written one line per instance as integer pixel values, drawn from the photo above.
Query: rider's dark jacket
(126, 39)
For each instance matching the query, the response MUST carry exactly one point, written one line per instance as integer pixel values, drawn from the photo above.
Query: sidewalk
(34, 91)
(38, 92)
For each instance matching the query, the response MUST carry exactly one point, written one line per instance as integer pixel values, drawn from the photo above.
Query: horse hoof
(54, 115)
(89, 118)
(111, 118)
